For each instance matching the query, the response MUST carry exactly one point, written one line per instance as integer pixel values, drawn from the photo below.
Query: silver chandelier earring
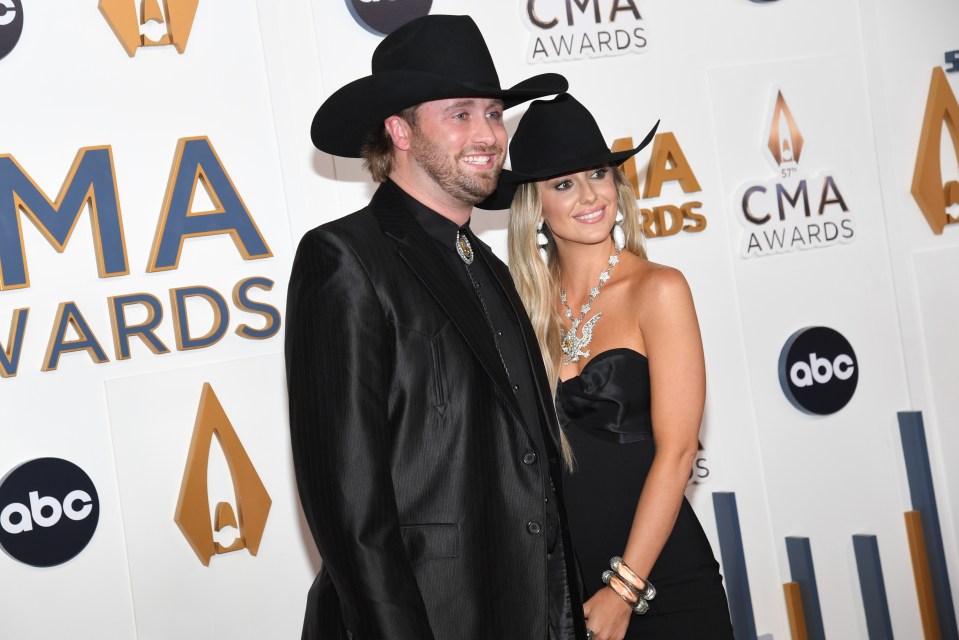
(542, 241)
(619, 237)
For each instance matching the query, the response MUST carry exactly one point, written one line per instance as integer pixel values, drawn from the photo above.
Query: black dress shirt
(505, 330)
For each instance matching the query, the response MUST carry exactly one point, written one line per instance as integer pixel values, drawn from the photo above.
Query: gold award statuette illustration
(193, 507)
(785, 139)
(133, 26)
(932, 196)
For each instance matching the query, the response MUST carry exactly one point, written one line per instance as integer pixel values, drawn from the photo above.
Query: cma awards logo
(200, 525)
(575, 29)
(382, 17)
(11, 25)
(49, 510)
(938, 199)
(91, 185)
(818, 370)
(150, 23)
(794, 210)
(667, 164)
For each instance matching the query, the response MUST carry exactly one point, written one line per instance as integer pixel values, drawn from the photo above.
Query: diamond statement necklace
(574, 344)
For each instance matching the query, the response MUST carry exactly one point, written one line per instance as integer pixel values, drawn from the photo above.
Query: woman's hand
(607, 615)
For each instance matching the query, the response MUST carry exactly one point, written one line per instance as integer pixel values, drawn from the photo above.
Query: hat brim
(510, 180)
(346, 118)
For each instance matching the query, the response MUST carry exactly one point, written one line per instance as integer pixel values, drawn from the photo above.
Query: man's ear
(399, 131)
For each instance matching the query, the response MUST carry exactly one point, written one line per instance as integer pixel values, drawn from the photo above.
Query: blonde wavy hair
(538, 282)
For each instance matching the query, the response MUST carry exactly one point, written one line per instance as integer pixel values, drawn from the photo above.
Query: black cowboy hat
(555, 137)
(430, 58)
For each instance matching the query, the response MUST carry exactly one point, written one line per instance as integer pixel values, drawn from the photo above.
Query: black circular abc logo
(11, 25)
(49, 510)
(818, 370)
(382, 17)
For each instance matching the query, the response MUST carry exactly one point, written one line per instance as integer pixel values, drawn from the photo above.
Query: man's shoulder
(359, 231)
(360, 223)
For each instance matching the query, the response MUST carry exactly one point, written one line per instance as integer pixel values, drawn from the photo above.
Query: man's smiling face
(461, 144)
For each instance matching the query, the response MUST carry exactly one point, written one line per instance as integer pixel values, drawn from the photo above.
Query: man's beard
(471, 187)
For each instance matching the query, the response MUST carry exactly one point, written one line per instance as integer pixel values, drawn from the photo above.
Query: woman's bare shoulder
(654, 282)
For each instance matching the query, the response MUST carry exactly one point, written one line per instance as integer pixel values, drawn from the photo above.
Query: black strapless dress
(605, 412)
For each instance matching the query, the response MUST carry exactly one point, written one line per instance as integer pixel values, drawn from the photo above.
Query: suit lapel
(422, 255)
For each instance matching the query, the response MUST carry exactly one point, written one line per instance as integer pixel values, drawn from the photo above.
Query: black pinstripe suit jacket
(408, 443)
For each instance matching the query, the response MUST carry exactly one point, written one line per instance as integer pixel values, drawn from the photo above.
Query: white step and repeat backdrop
(156, 174)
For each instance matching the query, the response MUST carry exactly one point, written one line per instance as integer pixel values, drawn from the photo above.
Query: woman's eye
(564, 185)
(599, 174)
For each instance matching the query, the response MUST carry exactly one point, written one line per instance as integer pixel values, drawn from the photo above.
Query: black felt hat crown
(555, 137)
(430, 58)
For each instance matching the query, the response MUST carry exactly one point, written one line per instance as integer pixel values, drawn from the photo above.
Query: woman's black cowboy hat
(555, 137)
(430, 58)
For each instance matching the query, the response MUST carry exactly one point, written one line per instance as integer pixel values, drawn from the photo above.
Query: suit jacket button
(529, 458)
(533, 527)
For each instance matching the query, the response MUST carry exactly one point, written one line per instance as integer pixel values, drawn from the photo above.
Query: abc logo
(382, 17)
(49, 510)
(11, 25)
(818, 371)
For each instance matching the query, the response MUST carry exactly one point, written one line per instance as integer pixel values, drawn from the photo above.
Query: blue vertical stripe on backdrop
(801, 570)
(923, 494)
(873, 587)
(734, 565)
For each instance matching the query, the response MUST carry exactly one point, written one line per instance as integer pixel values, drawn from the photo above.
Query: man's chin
(479, 194)
(486, 182)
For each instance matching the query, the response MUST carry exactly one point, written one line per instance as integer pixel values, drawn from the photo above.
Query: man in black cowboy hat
(424, 436)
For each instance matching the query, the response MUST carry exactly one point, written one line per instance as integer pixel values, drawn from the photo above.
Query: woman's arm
(670, 330)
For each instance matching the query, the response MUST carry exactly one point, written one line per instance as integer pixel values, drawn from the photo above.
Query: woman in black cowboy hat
(622, 346)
